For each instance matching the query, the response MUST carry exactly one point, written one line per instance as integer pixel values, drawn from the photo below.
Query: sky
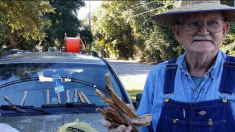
(83, 12)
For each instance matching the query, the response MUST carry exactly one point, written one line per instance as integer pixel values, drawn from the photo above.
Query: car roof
(51, 57)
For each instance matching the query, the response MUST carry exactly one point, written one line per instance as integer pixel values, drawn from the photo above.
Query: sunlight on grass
(132, 87)
(131, 83)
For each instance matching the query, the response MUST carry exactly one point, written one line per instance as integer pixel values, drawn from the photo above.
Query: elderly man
(193, 92)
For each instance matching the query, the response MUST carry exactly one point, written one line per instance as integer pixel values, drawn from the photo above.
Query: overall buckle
(167, 97)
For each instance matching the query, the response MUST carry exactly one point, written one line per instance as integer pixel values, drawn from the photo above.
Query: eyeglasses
(214, 26)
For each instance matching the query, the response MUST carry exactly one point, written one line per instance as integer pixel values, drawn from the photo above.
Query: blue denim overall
(205, 116)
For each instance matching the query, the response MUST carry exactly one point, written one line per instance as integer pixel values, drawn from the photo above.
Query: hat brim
(170, 17)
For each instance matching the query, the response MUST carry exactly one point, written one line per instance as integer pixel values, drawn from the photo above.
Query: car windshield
(39, 84)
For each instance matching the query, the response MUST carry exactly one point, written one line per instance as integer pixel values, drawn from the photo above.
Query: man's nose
(203, 30)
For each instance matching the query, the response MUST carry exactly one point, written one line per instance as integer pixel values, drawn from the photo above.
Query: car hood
(51, 123)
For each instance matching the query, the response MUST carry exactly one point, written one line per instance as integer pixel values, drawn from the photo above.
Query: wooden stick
(75, 96)
(11, 103)
(81, 98)
(48, 96)
(67, 94)
(84, 96)
(58, 97)
(23, 99)
(116, 105)
(8, 100)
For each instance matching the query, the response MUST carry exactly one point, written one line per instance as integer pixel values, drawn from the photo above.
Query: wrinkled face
(201, 33)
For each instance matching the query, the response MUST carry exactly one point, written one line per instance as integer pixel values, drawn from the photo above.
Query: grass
(132, 93)
(133, 87)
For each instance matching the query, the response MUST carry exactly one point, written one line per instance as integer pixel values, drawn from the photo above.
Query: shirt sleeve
(145, 106)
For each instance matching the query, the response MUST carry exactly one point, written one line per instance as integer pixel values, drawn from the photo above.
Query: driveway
(132, 73)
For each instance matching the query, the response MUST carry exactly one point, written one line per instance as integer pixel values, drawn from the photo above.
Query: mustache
(205, 37)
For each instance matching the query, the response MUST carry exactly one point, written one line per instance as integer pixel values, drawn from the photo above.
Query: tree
(22, 21)
(157, 42)
(227, 2)
(63, 20)
(113, 32)
(125, 29)
(228, 45)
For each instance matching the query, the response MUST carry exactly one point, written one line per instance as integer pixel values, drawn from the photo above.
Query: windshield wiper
(88, 84)
(22, 108)
(12, 104)
(69, 105)
(18, 81)
(14, 107)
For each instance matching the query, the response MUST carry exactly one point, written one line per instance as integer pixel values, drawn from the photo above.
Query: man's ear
(177, 32)
(226, 28)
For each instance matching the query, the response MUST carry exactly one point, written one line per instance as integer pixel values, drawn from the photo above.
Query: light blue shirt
(197, 80)
(185, 88)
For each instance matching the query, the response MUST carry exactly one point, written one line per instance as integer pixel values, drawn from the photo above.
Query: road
(132, 73)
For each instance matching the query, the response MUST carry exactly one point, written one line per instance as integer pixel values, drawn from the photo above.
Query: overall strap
(227, 82)
(171, 69)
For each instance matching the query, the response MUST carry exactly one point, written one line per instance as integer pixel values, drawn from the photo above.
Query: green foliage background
(28, 24)
(124, 30)
(63, 20)
(120, 29)
(22, 21)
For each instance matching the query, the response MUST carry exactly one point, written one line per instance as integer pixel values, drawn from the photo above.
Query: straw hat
(170, 17)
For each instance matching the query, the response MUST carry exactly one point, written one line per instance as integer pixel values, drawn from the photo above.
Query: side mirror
(138, 99)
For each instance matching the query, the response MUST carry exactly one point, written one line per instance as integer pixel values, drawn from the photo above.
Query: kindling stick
(67, 94)
(48, 96)
(58, 97)
(23, 99)
(11, 103)
(85, 98)
(75, 96)
(80, 96)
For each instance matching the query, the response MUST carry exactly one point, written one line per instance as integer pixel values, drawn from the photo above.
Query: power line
(143, 5)
(155, 9)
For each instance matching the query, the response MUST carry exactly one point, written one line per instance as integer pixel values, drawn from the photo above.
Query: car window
(41, 80)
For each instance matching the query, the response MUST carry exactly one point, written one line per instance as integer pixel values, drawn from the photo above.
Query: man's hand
(120, 128)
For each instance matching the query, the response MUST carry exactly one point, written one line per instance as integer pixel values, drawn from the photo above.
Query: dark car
(39, 91)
